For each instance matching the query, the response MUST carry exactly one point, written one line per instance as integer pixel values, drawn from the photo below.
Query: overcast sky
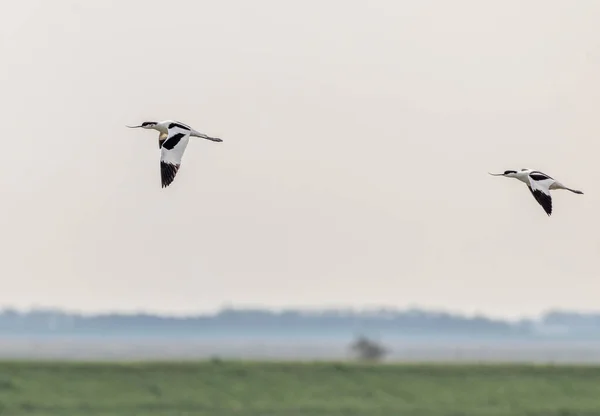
(357, 140)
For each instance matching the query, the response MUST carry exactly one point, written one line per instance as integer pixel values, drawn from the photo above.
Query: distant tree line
(290, 323)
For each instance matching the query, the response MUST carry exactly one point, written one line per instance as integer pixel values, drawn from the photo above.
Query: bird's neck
(162, 129)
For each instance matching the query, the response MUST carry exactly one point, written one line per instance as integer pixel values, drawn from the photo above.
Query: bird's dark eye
(506, 172)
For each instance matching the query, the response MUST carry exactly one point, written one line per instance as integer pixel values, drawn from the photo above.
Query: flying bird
(539, 184)
(173, 138)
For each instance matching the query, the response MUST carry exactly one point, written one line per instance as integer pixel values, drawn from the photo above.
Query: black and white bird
(173, 138)
(539, 184)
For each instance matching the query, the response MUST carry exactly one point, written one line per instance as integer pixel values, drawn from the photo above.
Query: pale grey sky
(357, 137)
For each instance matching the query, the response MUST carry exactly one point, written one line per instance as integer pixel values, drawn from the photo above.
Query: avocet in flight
(539, 184)
(173, 138)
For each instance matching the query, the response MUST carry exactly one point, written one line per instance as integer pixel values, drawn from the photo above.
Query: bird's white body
(173, 139)
(539, 184)
(523, 176)
(163, 128)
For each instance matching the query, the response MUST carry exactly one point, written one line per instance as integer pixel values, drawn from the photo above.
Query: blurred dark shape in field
(368, 350)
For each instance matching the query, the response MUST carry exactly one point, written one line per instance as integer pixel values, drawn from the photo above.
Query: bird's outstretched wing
(171, 154)
(538, 176)
(539, 185)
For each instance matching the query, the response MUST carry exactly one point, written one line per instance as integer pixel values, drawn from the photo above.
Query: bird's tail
(204, 136)
(558, 185)
(575, 191)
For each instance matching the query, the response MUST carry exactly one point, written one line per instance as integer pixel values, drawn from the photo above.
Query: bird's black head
(145, 125)
(508, 172)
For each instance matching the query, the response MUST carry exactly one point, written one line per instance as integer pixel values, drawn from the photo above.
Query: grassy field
(240, 388)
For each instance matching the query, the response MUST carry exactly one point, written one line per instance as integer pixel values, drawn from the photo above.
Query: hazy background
(357, 137)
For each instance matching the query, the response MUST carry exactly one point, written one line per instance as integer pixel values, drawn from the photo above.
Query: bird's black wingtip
(167, 173)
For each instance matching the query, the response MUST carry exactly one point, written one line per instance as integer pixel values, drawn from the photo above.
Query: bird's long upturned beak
(496, 174)
(133, 127)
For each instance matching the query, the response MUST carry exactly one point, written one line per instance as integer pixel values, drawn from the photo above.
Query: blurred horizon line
(307, 310)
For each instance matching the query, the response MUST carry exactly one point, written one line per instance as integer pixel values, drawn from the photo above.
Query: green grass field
(298, 389)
